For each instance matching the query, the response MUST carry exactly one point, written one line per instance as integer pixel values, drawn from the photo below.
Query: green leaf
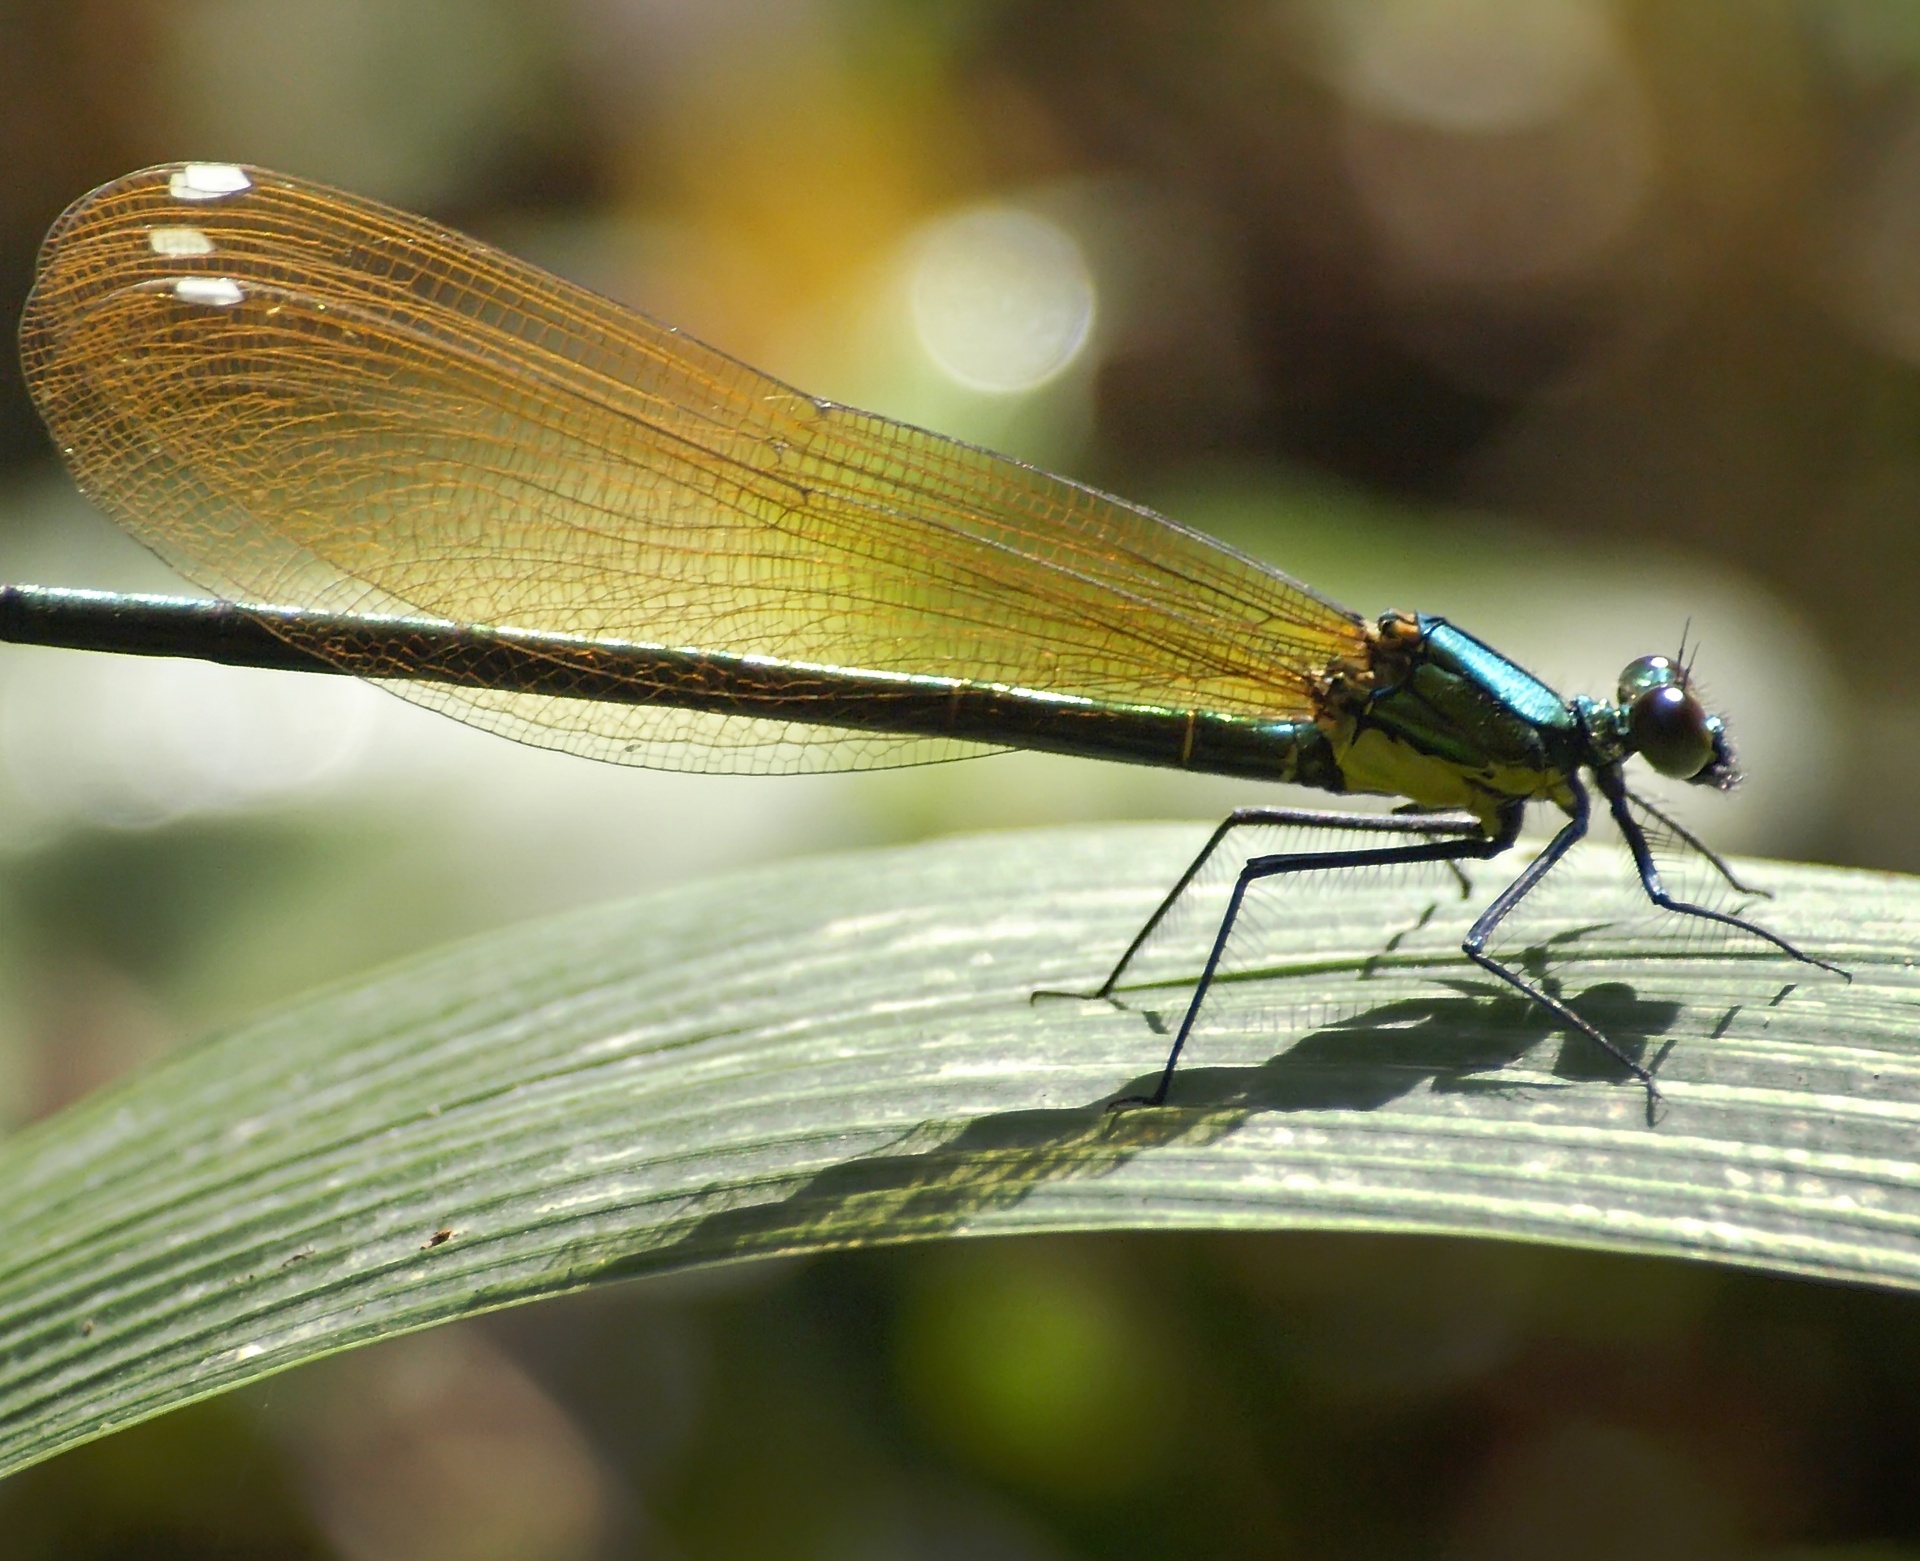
(843, 1051)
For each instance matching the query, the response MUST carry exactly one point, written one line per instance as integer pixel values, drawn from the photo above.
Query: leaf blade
(842, 1051)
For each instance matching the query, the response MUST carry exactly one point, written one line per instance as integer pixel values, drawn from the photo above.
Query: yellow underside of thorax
(1376, 762)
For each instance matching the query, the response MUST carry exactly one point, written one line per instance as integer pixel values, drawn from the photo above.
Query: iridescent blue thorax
(1444, 720)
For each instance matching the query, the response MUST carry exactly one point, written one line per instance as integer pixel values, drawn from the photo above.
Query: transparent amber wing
(299, 397)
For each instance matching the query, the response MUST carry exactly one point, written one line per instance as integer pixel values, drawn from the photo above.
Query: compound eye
(1648, 672)
(1670, 730)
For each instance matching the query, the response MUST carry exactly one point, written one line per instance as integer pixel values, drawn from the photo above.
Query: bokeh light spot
(132, 743)
(1002, 299)
(1879, 276)
(1038, 1369)
(1473, 66)
(1492, 142)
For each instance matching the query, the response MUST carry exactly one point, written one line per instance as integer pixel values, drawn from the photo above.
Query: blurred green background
(1573, 320)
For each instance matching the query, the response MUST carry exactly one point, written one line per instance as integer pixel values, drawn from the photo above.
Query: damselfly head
(1668, 726)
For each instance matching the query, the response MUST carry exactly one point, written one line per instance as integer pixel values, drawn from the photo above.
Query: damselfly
(402, 454)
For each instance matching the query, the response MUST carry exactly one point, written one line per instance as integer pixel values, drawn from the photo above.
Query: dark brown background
(1575, 311)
